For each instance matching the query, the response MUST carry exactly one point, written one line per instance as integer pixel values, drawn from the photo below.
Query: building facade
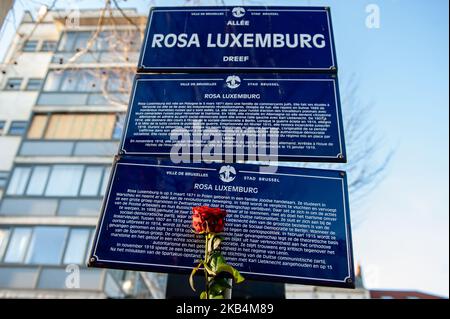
(64, 88)
(401, 294)
(314, 292)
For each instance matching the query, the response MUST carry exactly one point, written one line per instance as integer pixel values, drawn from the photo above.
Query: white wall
(315, 292)
(8, 149)
(17, 105)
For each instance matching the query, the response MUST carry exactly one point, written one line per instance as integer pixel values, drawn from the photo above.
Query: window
(18, 245)
(38, 180)
(81, 81)
(115, 82)
(127, 40)
(81, 41)
(2, 126)
(91, 126)
(3, 179)
(77, 246)
(88, 80)
(37, 127)
(64, 180)
(67, 93)
(48, 46)
(17, 128)
(86, 126)
(13, 84)
(47, 245)
(34, 84)
(30, 46)
(91, 182)
(4, 233)
(118, 128)
(53, 81)
(67, 41)
(105, 181)
(18, 181)
(59, 180)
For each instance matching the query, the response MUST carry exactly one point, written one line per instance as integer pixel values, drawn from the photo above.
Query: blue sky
(402, 69)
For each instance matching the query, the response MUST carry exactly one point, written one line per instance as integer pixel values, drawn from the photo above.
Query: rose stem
(204, 266)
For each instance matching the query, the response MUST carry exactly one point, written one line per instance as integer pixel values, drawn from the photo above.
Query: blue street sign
(170, 110)
(291, 225)
(245, 38)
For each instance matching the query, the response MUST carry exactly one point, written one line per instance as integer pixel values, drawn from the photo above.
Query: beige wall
(5, 5)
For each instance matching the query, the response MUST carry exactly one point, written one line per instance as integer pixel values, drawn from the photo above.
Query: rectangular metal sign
(245, 38)
(292, 225)
(205, 110)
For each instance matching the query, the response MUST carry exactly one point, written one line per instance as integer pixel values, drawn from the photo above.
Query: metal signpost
(250, 70)
(296, 39)
(304, 108)
(291, 226)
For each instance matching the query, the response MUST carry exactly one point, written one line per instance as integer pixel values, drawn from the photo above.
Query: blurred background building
(63, 94)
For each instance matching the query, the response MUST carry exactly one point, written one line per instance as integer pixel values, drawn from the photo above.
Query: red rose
(208, 220)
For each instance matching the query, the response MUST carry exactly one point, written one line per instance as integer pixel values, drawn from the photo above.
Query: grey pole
(228, 291)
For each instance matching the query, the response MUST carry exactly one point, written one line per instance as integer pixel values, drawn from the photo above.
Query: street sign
(292, 225)
(203, 109)
(245, 38)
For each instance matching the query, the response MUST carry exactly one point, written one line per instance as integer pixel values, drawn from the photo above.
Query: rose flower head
(206, 219)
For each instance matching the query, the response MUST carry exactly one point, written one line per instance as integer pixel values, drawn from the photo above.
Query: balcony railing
(54, 280)
(97, 57)
(42, 206)
(68, 148)
(80, 98)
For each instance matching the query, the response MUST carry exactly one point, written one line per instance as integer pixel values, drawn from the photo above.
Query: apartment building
(64, 89)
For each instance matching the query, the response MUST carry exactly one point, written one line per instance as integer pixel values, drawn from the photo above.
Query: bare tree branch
(91, 41)
(17, 53)
(126, 17)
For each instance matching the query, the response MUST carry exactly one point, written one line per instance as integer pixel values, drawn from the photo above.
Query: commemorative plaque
(214, 39)
(291, 225)
(242, 84)
(205, 112)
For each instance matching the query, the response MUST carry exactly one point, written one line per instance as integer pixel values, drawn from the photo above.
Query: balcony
(68, 148)
(19, 281)
(81, 98)
(39, 206)
(96, 57)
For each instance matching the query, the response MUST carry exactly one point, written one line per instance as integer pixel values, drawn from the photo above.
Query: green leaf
(222, 267)
(191, 277)
(218, 285)
(210, 240)
(217, 297)
(216, 260)
(209, 270)
(216, 242)
(203, 295)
